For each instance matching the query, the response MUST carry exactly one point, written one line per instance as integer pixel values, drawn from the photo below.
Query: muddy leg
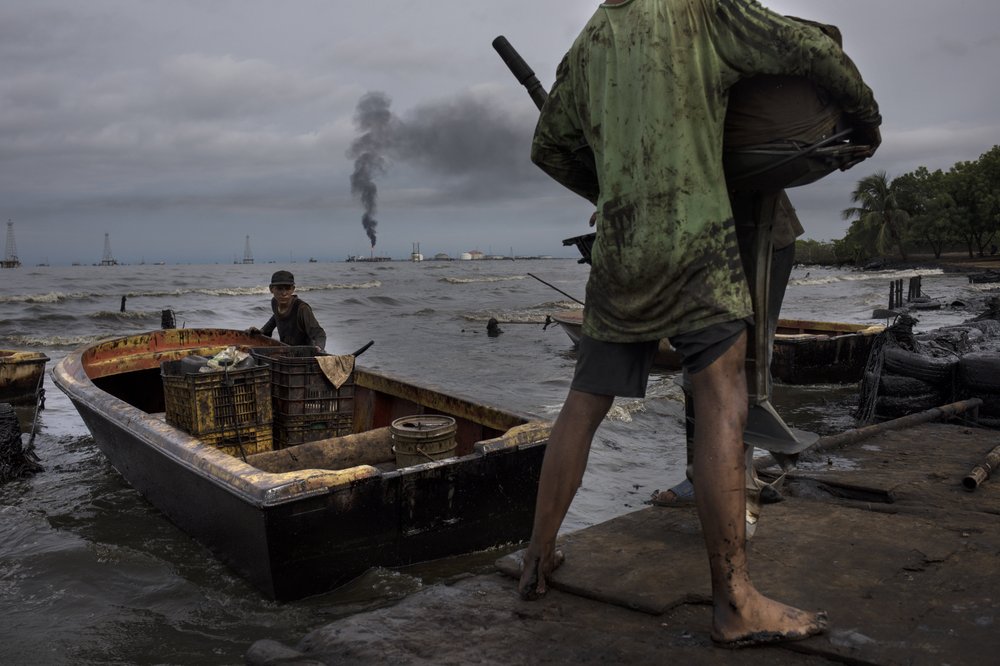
(742, 616)
(562, 471)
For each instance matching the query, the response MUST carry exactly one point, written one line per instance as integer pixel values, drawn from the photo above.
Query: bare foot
(680, 495)
(759, 621)
(534, 569)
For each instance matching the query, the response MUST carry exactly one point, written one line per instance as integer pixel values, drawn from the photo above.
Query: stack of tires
(951, 363)
(911, 382)
(978, 376)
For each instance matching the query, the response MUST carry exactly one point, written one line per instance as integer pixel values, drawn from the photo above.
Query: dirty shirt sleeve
(308, 323)
(268, 328)
(558, 135)
(754, 40)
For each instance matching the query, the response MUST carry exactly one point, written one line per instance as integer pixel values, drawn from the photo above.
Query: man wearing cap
(292, 316)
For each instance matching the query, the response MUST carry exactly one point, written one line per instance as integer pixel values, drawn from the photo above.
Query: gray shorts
(622, 368)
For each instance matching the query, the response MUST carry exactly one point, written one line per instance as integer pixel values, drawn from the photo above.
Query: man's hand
(253, 330)
(866, 135)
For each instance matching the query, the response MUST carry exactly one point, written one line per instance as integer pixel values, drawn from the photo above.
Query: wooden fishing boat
(821, 352)
(985, 277)
(21, 376)
(805, 352)
(304, 519)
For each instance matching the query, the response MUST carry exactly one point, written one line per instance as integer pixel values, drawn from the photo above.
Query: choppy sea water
(92, 574)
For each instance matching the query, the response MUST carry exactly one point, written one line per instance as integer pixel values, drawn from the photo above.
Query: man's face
(283, 293)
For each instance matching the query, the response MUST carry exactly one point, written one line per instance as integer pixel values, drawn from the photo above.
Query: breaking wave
(128, 314)
(863, 276)
(59, 297)
(71, 341)
(472, 280)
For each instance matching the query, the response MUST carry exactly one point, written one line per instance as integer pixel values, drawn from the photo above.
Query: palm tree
(878, 210)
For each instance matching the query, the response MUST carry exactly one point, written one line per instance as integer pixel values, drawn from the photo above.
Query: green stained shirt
(645, 86)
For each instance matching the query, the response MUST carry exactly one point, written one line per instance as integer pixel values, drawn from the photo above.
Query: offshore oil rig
(108, 259)
(10, 259)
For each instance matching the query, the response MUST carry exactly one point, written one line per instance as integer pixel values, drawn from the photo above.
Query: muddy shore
(881, 534)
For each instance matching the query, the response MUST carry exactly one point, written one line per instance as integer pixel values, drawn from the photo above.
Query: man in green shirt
(644, 91)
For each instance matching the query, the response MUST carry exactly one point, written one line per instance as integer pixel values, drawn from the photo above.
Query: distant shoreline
(950, 262)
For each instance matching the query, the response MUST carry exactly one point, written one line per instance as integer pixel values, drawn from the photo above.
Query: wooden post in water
(896, 294)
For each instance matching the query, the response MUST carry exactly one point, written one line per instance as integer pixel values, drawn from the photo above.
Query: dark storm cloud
(165, 119)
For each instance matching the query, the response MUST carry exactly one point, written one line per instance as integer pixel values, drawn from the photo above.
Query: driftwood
(859, 434)
(982, 471)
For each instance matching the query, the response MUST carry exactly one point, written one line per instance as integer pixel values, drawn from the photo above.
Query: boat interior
(378, 401)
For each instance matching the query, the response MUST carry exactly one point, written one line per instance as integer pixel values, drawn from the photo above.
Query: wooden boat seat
(373, 447)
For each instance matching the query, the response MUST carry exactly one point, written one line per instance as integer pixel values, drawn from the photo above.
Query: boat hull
(804, 352)
(812, 352)
(21, 376)
(301, 532)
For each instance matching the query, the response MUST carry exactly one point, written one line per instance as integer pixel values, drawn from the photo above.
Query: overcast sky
(182, 127)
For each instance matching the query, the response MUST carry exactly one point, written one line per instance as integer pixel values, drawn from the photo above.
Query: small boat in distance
(303, 519)
(805, 352)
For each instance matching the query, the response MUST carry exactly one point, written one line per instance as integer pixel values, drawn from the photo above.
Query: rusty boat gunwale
(304, 531)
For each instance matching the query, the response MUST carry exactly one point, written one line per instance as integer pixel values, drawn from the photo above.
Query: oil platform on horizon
(10, 259)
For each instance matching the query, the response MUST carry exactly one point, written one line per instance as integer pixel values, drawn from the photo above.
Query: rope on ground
(899, 334)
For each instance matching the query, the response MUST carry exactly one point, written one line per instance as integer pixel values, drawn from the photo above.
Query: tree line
(919, 212)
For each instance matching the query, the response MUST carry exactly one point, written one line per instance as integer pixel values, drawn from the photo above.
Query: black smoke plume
(476, 148)
(375, 121)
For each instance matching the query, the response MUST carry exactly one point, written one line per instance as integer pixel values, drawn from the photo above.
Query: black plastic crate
(299, 387)
(292, 430)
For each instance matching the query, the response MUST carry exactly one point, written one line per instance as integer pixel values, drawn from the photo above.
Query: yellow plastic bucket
(423, 438)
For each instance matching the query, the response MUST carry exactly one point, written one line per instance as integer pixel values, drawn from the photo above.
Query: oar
(363, 349)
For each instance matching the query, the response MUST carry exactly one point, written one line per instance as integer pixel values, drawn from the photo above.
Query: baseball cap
(282, 277)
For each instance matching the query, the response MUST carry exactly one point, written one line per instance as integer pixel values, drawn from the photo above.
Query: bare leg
(562, 472)
(742, 616)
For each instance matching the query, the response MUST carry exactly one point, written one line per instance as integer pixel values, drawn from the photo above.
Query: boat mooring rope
(39, 406)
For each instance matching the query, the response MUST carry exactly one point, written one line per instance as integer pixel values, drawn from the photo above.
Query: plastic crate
(292, 430)
(227, 409)
(299, 387)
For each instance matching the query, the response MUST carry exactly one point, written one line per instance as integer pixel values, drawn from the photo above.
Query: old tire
(987, 422)
(899, 385)
(979, 372)
(931, 369)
